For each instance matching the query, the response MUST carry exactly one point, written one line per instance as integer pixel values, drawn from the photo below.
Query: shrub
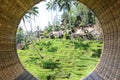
(97, 53)
(49, 64)
(53, 49)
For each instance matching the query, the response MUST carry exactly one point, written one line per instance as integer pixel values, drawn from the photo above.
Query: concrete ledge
(93, 76)
(25, 76)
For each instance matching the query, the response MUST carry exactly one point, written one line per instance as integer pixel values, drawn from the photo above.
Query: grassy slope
(72, 57)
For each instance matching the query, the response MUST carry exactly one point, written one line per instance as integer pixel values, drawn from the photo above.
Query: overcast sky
(43, 18)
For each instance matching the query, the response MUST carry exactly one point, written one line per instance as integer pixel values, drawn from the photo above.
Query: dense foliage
(75, 14)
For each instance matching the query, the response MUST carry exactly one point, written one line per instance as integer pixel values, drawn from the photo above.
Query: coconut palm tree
(50, 7)
(33, 12)
(29, 16)
(65, 6)
(53, 6)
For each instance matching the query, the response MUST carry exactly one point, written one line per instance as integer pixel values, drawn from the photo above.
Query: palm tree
(29, 16)
(65, 6)
(52, 6)
(33, 12)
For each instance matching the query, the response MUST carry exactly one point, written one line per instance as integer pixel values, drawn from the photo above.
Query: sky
(44, 17)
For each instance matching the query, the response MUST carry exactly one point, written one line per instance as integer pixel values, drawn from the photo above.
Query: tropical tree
(33, 11)
(66, 6)
(83, 15)
(20, 35)
(86, 15)
(91, 17)
(31, 14)
(28, 17)
(52, 5)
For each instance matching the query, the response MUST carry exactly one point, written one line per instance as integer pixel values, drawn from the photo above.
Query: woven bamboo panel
(108, 13)
(11, 12)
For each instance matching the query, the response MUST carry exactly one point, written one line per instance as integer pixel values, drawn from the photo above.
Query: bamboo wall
(108, 13)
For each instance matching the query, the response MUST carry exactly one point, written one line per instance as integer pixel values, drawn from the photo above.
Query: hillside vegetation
(62, 59)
